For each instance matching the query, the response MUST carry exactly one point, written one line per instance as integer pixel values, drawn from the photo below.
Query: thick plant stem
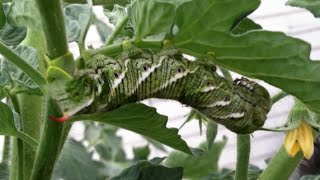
(117, 30)
(30, 105)
(243, 155)
(54, 27)
(49, 147)
(51, 140)
(281, 166)
(6, 150)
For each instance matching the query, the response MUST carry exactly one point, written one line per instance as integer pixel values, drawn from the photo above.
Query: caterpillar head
(258, 100)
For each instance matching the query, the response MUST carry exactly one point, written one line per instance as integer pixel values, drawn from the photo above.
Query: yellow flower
(300, 138)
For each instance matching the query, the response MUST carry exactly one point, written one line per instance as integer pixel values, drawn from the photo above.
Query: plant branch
(117, 30)
(243, 155)
(24, 66)
(281, 166)
(50, 145)
(6, 150)
(117, 48)
(53, 22)
(54, 27)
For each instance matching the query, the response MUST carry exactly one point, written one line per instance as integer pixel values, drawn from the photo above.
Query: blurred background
(272, 15)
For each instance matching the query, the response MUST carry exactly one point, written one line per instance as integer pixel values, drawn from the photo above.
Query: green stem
(31, 107)
(53, 23)
(24, 66)
(117, 48)
(117, 30)
(243, 155)
(281, 166)
(14, 166)
(50, 145)
(16, 169)
(278, 96)
(6, 150)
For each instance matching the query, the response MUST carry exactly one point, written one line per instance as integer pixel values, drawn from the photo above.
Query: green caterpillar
(240, 105)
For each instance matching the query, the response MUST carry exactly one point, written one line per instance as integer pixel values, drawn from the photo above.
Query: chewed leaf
(143, 120)
(78, 19)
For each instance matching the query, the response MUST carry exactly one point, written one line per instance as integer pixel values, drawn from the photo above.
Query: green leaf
(11, 35)
(156, 144)
(25, 13)
(2, 16)
(143, 120)
(116, 14)
(259, 54)
(78, 19)
(76, 162)
(244, 26)
(10, 72)
(116, 17)
(151, 17)
(103, 29)
(145, 170)
(197, 167)
(7, 125)
(312, 5)
(212, 131)
(196, 18)
(10, 125)
(141, 153)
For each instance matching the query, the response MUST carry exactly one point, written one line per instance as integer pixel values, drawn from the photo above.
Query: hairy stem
(243, 155)
(49, 147)
(54, 27)
(6, 150)
(117, 30)
(16, 170)
(53, 22)
(281, 166)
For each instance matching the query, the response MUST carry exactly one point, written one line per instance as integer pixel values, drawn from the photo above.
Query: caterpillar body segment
(240, 105)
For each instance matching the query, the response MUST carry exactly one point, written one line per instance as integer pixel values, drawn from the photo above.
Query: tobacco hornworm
(240, 105)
